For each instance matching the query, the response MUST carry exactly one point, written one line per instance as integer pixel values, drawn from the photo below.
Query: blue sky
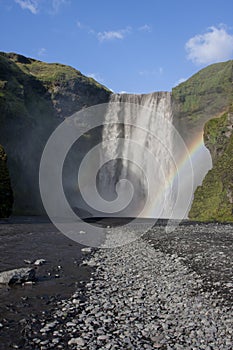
(130, 45)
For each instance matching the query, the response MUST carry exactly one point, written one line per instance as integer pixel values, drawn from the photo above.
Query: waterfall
(145, 121)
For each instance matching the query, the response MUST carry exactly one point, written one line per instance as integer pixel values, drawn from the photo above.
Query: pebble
(76, 341)
(70, 324)
(86, 250)
(139, 298)
(29, 262)
(39, 262)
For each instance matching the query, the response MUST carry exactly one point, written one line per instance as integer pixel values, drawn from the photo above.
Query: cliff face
(213, 201)
(6, 195)
(205, 101)
(34, 98)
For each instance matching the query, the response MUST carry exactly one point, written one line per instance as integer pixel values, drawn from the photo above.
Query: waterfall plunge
(145, 158)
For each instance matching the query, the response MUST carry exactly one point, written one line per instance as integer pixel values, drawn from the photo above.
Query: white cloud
(42, 52)
(145, 28)
(51, 6)
(160, 70)
(86, 28)
(181, 80)
(213, 46)
(149, 72)
(79, 24)
(105, 35)
(111, 35)
(95, 76)
(31, 5)
(56, 4)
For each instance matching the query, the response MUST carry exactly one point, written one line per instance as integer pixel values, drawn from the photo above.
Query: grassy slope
(34, 98)
(207, 94)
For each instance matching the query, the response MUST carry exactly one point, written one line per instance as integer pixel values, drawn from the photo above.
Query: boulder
(17, 276)
(40, 262)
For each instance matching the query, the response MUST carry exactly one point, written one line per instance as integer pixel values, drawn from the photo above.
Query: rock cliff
(34, 98)
(6, 195)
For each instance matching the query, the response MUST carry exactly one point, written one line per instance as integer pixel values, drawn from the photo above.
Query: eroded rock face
(6, 195)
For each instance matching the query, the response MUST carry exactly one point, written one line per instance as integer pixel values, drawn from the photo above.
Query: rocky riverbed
(25, 240)
(162, 291)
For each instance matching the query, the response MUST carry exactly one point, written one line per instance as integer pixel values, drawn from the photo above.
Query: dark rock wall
(6, 195)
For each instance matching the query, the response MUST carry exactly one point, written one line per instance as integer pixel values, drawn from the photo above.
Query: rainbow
(192, 155)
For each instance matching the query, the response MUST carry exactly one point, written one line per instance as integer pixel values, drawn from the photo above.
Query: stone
(140, 298)
(76, 341)
(17, 276)
(229, 285)
(70, 324)
(86, 250)
(102, 337)
(40, 262)
(29, 262)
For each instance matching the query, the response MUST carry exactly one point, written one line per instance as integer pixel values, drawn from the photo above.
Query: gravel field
(162, 291)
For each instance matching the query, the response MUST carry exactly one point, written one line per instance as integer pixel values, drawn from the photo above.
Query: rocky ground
(21, 244)
(162, 291)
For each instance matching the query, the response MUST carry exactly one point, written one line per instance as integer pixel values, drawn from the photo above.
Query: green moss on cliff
(55, 72)
(206, 95)
(6, 195)
(214, 199)
(207, 99)
(34, 98)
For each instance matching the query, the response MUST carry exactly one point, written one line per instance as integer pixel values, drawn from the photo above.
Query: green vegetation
(205, 95)
(215, 132)
(34, 98)
(207, 99)
(213, 201)
(6, 195)
(56, 73)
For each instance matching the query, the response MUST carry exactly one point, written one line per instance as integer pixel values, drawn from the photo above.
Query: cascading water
(147, 121)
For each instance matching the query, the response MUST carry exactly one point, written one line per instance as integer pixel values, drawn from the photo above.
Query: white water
(148, 166)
